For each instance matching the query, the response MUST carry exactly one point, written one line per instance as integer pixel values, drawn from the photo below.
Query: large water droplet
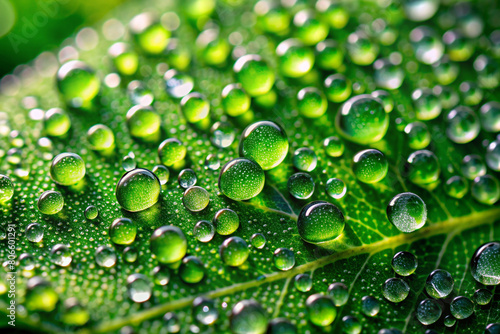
(264, 142)
(241, 179)
(168, 244)
(362, 119)
(138, 190)
(67, 169)
(320, 222)
(407, 212)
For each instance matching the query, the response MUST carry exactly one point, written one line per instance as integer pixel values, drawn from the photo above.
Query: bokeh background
(29, 27)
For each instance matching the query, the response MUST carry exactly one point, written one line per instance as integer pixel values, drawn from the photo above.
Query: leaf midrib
(454, 224)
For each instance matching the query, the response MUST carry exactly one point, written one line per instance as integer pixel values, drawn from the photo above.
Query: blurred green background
(29, 27)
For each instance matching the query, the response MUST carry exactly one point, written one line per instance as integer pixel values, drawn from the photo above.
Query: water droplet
(463, 125)
(27, 262)
(493, 155)
(449, 321)
(339, 293)
(458, 47)
(426, 44)
(311, 102)
(485, 264)
(387, 74)
(171, 322)
(329, 55)
(492, 329)
(187, 178)
(105, 256)
(319, 222)
(128, 162)
(336, 188)
(6, 188)
(222, 134)
(362, 119)
(303, 282)
(295, 59)
(139, 94)
(122, 231)
(309, 28)
(456, 187)
(148, 33)
(139, 288)
(488, 71)
(195, 198)
(235, 100)
(301, 185)
(191, 270)
(162, 173)
(254, 74)
(351, 325)
(338, 88)
(419, 136)
(195, 107)
(321, 310)
(305, 159)
(248, 317)
(204, 231)
(370, 306)
(234, 251)
(161, 275)
(56, 122)
(171, 151)
(461, 307)
(404, 263)
(67, 169)
(74, 314)
(168, 244)
(281, 326)
(486, 189)
(334, 146)
(40, 295)
(205, 311)
(422, 167)
(138, 190)
(439, 284)
(125, 60)
(143, 122)
(60, 255)
(50, 202)
(241, 179)
(473, 166)
(427, 104)
(212, 162)
(258, 240)
(178, 84)
(77, 83)
(226, 221)
(395, 290)
(370, 166)
(361, 49)
(284, 259)
(130, 254)
(420, 10)
(264, 142)
(100, 137)
(489, 114)
(445, 71)
(34, 232)
(407, 212)
(483, 297)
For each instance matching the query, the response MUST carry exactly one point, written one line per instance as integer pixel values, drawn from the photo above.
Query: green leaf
(359, 258)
